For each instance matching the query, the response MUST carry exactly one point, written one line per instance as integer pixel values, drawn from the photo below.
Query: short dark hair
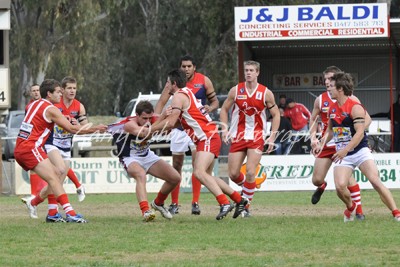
(48, 85)
(144, 106)
(187, 58)
(345, 81)
(177, 76)
(332, 69)
(66, 80)
(289, 100)
(282, 96)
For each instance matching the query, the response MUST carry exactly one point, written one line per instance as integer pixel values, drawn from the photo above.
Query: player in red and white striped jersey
(29, 153)
(248, 128)
(204, 133)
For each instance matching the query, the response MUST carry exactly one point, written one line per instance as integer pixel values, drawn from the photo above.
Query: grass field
(285, 230)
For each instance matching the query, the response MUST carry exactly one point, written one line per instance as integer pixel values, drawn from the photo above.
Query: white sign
(4, 20)
(311, 22)
(294, 172)
(302, 80)
(4, 88)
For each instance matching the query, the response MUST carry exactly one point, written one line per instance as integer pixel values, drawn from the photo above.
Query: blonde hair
(253, 63)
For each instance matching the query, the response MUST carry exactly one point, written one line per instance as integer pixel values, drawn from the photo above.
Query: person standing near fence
(347, 128)
(248, 128)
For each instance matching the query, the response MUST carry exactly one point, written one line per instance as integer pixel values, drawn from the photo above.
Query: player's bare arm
(276, 117)
(55, 115)
(135, 129)
(223, 115)
(82, 118)
(162, 101)
(211, 96)
(368, 119)
(179, 102)
(313, 124)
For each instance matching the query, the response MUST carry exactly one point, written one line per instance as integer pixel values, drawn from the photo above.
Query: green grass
(285, 230)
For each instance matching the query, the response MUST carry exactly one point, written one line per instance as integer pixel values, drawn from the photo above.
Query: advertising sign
(311, 22)
(294, 172)
(302, 80)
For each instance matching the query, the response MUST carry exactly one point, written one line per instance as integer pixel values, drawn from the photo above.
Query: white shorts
(356, 159)
(66, 155)
(145, 162)
(181, 142)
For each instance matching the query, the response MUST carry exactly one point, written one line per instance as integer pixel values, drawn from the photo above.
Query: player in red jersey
(347, 128)
(204, 133)
(323, 160)
(29, 153)
(74, 112)
(248, 127)
(203, 90)
(37, 183)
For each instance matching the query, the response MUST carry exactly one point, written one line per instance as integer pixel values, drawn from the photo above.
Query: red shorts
(28, 158)
(327, 152)
(243, 145)
(212, 145)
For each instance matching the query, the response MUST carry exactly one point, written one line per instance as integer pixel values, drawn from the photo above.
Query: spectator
(396, 124)
(282, 141)
(282, 101)
(299, 116)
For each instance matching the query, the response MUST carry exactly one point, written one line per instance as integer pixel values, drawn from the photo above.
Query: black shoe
(224, 210)
(318, 193)
(196, 208)
(173, 208)
(240, 207)
(360, 217)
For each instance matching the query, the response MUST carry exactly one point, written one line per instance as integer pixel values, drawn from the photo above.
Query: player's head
(34, 91)
(51, 89)
(328, 73)
(251, 70)
(67, 80)
(144, 112)
(69, 88)
(343, 81)
(177, 77)
(188, 65)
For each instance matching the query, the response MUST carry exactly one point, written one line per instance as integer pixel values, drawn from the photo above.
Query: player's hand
(101, 128)
(271, 145)
(207, 108)
(339, 155)
(225, 137)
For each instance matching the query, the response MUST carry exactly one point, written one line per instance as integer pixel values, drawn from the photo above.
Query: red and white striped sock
(63, 200)
(52, 205)
(248, 190)
(356, 197)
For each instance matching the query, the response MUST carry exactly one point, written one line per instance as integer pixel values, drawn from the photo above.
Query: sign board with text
(4, 88)
(311, 22)
(302, 81)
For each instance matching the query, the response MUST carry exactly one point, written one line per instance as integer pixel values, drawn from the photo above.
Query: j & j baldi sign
(311, 22)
